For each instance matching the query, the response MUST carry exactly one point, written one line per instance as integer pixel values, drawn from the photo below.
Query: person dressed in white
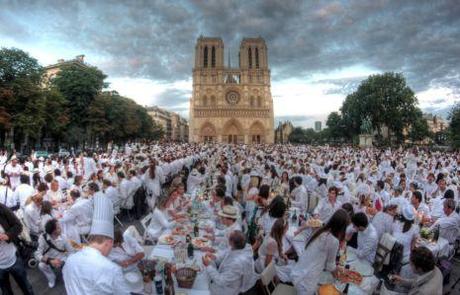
(32, 214)
(159, 222)
(194, 180)
(406, 232)
(383, 220)
(153, 179)
(89, 271)
(299, 194)
(320, 254)
(327, 206)
(24, 191)
(78, 216)
(13, 170)
(448, 224)
(231, 272)
(124, 187)
(126, 251)
(89, 166)
(228, 218)
(54, 194)
(367, 237)
(52, 251)
(7, 196)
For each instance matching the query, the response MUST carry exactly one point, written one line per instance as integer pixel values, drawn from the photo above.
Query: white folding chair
(266, 278)
(145, 224)
(116, 211)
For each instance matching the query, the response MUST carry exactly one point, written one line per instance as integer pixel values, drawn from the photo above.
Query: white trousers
(48, 272)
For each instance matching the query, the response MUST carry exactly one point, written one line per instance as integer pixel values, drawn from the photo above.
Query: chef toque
(102, 223)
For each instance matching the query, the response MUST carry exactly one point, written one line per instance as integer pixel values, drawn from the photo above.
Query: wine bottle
(169, 283)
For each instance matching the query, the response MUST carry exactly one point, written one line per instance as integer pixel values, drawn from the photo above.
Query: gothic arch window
(257, 58)
(213, 57)
(259, 101)
(205, 57)
(252, 101)
(250, 57)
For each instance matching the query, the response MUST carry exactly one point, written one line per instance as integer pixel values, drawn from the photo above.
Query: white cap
(102, 223)
(408, 212)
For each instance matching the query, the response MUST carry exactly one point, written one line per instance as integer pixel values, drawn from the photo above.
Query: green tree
(79, 85)
(297, 135)
(419, 129)
(335, 126)
(21, 98)
(386, 99)
(56, 115)
(454, 126)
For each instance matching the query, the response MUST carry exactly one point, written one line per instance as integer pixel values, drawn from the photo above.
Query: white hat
(408, 212)
(229, 212)
(102, 223)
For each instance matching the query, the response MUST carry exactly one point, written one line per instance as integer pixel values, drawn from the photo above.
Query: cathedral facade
(231, 104)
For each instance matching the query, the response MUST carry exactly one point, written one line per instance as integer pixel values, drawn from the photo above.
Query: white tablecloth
(440, 248)
(200, 286)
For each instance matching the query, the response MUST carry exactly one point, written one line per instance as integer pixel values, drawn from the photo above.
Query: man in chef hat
(89, 271)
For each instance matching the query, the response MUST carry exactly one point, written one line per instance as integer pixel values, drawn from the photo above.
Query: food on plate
(168, 240)
(314, 222)
(328, 289)
(350, 276)
(425, 233)
(200, 242)
(181, 230)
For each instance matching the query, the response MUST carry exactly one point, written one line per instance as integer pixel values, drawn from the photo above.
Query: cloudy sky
(319, 51)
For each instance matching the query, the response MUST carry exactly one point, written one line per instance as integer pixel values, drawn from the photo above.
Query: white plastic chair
(266, 278)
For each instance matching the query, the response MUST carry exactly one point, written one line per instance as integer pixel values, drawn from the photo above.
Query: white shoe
(51, 284)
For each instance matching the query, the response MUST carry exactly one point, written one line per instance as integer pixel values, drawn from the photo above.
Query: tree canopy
(72, 108)
(454, 126)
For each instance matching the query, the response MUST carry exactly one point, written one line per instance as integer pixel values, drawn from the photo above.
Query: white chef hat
(102, 223)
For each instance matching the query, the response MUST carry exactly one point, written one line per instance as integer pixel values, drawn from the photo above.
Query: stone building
(232, 105)
(283, 131)
(52, 70)
(174, 126)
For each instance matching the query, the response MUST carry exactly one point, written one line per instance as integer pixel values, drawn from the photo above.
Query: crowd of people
(265, 199)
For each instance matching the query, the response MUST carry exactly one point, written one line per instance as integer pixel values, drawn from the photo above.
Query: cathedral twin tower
(231, 105)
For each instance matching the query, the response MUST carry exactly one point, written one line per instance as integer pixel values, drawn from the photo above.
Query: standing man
(89, 271)
(13, 170)
(10, 228)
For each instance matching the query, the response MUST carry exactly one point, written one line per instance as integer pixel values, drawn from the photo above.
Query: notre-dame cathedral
(231, 104)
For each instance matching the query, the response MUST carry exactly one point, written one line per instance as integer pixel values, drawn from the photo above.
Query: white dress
(406, 238)
(320, 255)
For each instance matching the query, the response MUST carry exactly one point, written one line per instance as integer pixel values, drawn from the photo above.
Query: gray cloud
(173, 98)
(155, 39)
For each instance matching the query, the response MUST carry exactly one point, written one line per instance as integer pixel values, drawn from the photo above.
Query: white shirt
(88, 272)
(7, 197)
(383, 223)
(129, 248)
(318, 256)
(406, 238)
(367, 244)
(23, 192)
(13, 173)
(32, 218)
(80, 214)
(232, 272)
(7, 252)
(158, 224)
(326, 209)
(299, 197)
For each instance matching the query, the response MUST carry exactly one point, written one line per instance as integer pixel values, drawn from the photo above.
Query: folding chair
(145, 224)
(116, 211)
(266, 277)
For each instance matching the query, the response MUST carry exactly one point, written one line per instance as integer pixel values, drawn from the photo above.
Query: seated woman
(176, 201)
(159, 222)
(126, 251)
(272, 245)
(320, 254)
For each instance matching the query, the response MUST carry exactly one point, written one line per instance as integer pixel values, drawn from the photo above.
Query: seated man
(448, 225)
(367, 237)
(228, 217)
(78, 216)
(232, 272)
(429, 277)
(52, 251)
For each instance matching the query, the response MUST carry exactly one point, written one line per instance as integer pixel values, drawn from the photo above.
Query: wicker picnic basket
(185, 277)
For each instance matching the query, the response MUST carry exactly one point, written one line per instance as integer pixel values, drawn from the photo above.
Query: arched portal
(233, 132)
(257, 133)
(208, 133)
